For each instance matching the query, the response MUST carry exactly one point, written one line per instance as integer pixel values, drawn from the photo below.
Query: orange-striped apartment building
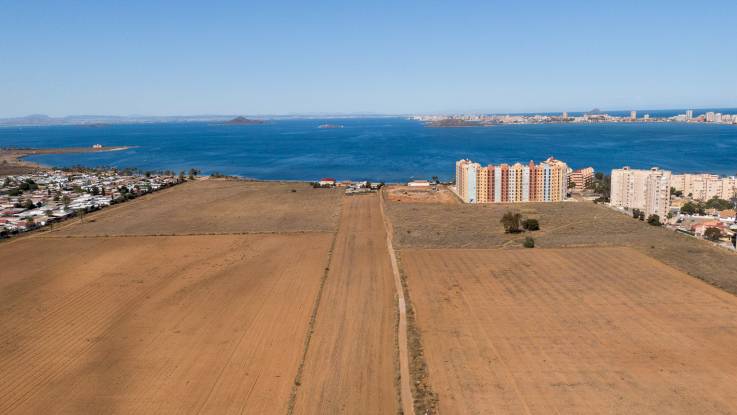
(516, 183)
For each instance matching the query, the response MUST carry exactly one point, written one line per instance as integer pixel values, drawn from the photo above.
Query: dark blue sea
(388, 149)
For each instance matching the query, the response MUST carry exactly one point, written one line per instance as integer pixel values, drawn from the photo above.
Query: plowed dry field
(202, 299)
(184, 324)
(198, 301)
(218, 206)
(584, 330)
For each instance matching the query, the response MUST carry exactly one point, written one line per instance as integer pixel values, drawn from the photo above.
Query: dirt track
(585, 330)
(349, 367)
(211, 324)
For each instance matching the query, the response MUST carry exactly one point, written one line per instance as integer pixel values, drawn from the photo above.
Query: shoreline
(12, 159)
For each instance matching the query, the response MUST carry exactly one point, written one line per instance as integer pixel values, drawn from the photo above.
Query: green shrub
(531, 224)
(528, 243)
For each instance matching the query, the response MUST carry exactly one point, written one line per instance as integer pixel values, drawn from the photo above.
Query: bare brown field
(432, 194)
(572, 331)
(218, 206)
(185, 324)
(349, 366)
(567, 224)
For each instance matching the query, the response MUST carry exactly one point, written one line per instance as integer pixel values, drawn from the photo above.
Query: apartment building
(647, 190)
(705, 186)
(516, 183)
(581, 178)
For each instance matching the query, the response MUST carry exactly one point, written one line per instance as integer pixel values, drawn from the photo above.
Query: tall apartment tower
(647, 190)
(518, 183)
(689, 114)
(633, 115)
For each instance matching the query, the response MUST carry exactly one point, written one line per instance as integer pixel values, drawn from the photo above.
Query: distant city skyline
(181, 58)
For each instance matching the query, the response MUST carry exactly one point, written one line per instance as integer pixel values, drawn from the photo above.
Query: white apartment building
(705, 186)
(647, 190)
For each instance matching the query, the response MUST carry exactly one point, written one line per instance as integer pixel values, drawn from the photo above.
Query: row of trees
(653, 220)
(693, 208)
(601, 185)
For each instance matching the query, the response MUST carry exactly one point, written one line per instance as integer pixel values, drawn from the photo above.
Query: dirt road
(349, 366)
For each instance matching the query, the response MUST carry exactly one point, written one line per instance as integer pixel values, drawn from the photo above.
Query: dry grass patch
(564, 224)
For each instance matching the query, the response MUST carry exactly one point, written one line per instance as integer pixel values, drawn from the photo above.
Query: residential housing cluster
(505, 183)
(695, 204)
(34, 200)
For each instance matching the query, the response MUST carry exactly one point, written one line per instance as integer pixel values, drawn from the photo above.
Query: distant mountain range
(100, 120)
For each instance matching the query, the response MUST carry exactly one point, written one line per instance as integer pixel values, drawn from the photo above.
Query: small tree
(718, 204)
(531, 224)
(80, 214)
(636, 213)
(642, 215)
(65, 200)
(529, 242)
(712, 234)
(50, 220)
(653, 220)
(511, 222)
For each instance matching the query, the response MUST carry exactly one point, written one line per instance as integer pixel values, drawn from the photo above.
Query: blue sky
(166, 58)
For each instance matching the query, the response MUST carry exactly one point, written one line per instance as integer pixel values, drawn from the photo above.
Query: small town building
(728, 215)
(327, 181)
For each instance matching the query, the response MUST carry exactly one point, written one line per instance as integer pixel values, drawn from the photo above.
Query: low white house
(327, 181)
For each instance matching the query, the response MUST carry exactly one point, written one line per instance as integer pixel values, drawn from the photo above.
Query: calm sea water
(391, 149)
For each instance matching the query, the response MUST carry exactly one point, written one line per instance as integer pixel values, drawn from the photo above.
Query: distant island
(245, 121)
(330, 126)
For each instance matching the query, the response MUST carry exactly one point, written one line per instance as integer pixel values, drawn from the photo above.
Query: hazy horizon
(365, 114)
